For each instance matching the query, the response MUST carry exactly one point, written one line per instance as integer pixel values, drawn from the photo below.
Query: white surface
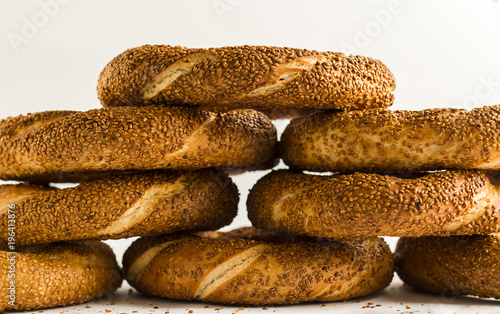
(443, 54)
(396, 299)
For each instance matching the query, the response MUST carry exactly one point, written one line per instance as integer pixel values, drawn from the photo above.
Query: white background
(442, 53)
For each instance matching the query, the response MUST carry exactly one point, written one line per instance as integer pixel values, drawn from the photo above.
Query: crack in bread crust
(483, 201)
(140, 263)
(228, 270)
(284, 74)
(277, 212)
(180, 67)
(144, 206)
(202, 130)
(12, 195)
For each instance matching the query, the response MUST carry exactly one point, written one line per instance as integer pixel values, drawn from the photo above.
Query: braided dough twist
(230, 268)
(120, 207)
(383, 140)
(245, 76)
(58, 274)
(62, 144)
(451, 266)
(447, 203)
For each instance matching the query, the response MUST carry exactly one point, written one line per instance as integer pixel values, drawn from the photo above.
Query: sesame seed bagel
(275, 269)
(120, 207)
(384, 140)
(245, 76)
(58, 144)
(58, 274)
(466, 265)
(459, 202)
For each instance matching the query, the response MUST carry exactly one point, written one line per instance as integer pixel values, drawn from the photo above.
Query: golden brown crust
(120, 207)
(459, 202)
(271, 113)
(384, 140)
(245, 76)
(451, 266)
(227, 269)
(58, 274)
(60, 145)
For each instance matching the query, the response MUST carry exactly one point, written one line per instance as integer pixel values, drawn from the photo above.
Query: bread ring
(59, 143)
(58, 274)
(447, 203)
(467, 265)
(240, 271)
(383, 140)
(120, 207)
(246, 76)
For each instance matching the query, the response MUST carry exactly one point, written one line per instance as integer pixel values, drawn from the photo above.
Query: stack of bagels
(176, 122)
(425, 176)
(142, 171)
(248, 265)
